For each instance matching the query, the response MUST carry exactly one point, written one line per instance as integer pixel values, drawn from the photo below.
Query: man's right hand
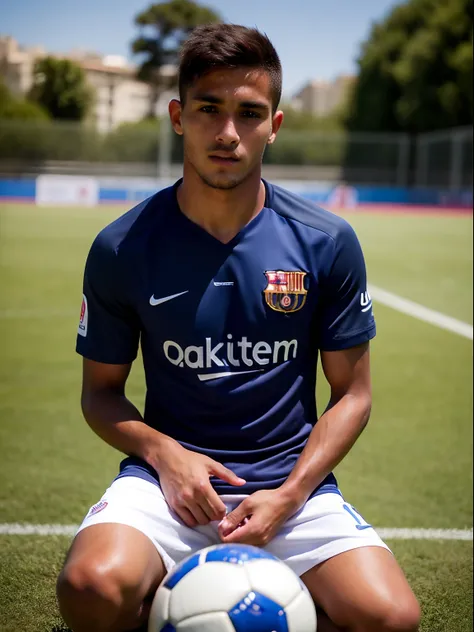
(184, 480)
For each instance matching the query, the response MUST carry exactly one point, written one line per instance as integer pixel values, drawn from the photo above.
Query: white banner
(72, 190)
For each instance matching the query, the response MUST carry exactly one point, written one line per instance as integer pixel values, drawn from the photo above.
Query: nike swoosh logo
(157, 301)
(204, 377)
(366, 309)
(361, 527)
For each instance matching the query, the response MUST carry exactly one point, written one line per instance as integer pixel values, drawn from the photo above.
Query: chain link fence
(151, 149)
(444, 159)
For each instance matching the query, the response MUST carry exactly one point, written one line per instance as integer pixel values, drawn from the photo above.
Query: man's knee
(91, 596)
(402, 615)
(91, 582)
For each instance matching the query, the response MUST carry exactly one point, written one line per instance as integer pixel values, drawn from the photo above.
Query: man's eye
(208, 109)
(250, 114)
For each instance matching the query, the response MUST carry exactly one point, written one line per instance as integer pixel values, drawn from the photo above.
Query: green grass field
(411, 468)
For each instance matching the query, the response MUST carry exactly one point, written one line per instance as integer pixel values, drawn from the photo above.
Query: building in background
(321, 98)
(119, 96)
(17, 63)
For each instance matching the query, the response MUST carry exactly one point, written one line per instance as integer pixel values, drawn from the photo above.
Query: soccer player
(233, 287)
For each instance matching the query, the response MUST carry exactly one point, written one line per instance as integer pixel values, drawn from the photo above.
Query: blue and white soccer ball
(232, 588)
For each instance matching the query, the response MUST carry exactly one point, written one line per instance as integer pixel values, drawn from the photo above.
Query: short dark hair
(213, 46)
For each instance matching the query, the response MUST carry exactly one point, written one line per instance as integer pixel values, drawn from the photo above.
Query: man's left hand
(258, 518)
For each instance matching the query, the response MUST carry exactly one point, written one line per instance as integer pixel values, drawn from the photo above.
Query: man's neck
(221, 212)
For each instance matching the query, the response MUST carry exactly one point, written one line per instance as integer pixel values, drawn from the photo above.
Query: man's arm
(257, 519)
(344, 324)
(184, 475)
(348, 374)
(112, 416)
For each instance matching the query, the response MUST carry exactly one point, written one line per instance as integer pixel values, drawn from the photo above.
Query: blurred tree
(300, 120)
(133, 142)
(5, 94)
(60, 86)
(19, 109)
(416, 69)
(164, 27)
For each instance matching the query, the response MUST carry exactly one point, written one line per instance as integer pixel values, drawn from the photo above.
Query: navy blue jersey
(229, 333)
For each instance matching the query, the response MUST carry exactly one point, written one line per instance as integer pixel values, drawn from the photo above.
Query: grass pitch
(411, 468)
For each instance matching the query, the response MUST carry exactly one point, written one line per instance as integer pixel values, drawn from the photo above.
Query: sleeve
(345, 317)
(108, 329)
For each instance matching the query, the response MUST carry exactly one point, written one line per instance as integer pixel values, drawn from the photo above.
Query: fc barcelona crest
(285, 291)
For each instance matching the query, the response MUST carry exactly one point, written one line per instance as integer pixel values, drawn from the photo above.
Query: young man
(232, 286)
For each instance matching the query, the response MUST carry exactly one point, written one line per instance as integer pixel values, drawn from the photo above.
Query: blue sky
(316, 39)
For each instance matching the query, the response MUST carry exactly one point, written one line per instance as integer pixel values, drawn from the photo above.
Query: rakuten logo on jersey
(239, 356)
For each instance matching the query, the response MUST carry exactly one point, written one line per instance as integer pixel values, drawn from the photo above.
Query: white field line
(422, 313)
(425, 534)
(390, 534)
(16, 528)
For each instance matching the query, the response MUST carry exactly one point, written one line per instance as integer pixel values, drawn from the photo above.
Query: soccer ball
(232, 588)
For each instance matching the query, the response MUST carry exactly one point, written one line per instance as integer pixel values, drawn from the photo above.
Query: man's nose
(228, 134)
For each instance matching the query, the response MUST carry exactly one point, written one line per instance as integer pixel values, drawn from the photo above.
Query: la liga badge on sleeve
(82, 329)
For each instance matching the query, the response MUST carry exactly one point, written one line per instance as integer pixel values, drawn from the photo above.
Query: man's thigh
(122, 550)
(361, 585)
(349, 571)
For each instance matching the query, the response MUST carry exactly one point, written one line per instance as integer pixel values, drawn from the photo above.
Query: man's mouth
(223, 159)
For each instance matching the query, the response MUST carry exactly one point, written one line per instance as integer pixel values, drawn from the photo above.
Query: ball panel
(236, 554)
(210, 587)
(256, 613)
(212, 622)
(179, 571)
(232, 588)
(301, 614)
(159, 610)
(274, 579)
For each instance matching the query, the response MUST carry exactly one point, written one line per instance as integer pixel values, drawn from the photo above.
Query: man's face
(226, 123)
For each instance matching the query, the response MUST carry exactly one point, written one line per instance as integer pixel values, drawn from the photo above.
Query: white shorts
(324, 527)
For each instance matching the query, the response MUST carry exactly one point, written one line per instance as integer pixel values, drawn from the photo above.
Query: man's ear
(276, 124)
(175, 109)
